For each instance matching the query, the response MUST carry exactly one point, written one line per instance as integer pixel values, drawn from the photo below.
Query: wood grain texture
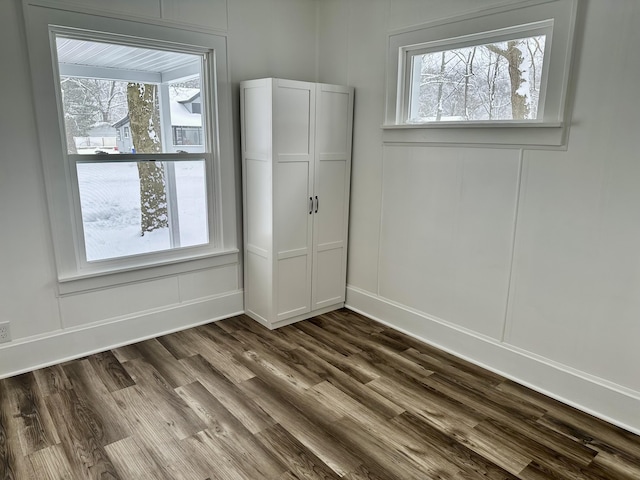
(337, 396)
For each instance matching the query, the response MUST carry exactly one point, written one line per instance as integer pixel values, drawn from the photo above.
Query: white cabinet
(296, 159)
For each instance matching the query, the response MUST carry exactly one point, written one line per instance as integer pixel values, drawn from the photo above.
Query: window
(187, 136)
(501, 80)
(137, 202)
(495, 77)
(132, 207)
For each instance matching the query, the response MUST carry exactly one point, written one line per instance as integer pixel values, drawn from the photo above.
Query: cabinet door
(294, 145)
(331, 186)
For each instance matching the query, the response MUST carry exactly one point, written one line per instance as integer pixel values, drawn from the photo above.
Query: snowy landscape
(110, 204)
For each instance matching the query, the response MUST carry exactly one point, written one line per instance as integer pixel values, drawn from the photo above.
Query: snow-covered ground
(110, 202)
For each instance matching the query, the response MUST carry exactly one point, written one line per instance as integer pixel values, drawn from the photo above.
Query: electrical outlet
(5, 333)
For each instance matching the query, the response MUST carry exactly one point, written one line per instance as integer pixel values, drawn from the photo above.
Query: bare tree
(536, 57)
(514, 57)
(443, 64)
(482, 82)
(144, 116)
(88, 101)
(94, 100)
(468, 74)
(493, 73)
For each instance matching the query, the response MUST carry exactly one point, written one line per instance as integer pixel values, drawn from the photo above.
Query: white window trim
(556, 18)
(40, 19)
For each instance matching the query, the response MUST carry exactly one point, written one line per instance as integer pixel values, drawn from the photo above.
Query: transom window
(487, 81)
(496, 76)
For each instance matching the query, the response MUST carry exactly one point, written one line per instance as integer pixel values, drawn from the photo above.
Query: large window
(123, 194)
(498, 76)
(131, 207)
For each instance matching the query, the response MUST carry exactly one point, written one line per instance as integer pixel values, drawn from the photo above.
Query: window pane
(186, 116)
(118, 98)
(192, 196)
(497, 81)
(117, 207)
(186, 136)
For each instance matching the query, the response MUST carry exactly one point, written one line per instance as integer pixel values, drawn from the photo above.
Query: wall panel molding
(599, 397)
(48, 349)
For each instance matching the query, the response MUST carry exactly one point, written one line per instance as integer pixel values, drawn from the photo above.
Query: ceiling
(73, 51)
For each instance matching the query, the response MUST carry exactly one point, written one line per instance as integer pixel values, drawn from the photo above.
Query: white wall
(525, 261)
(47, 327)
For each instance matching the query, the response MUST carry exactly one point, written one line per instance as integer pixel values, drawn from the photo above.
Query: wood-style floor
(335, 396)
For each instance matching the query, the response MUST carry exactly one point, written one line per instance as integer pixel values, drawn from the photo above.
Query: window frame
(407, 53)
(174, 131)
(44, 21)
(554, 18)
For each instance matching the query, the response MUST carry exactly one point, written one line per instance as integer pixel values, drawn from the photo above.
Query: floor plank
(131, 460)
(35, 428)
(337, 396)
(106, 414)
(110, 371)
(51, 463)
(301, 462)
(82, 435)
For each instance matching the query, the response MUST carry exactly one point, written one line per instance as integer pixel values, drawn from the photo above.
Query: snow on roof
(180, 115)
(182, 94)
(192, 98)
(101, 125)
(123, 121)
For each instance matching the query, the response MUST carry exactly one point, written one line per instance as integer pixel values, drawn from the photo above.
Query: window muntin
(128, 206)
(187, 136)
(482, 82)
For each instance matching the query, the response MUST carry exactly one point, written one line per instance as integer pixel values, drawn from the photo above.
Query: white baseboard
(598, 397)
(44, 350)
(288, 321)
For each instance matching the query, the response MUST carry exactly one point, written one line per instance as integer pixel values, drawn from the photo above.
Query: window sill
(96, 280)
(489, 134)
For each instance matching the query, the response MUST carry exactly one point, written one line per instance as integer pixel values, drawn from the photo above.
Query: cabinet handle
(317, 204)
(310, 205)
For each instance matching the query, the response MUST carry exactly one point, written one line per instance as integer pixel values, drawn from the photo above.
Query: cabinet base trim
(297, 318)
